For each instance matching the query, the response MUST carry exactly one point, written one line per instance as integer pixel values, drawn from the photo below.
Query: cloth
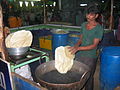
(91, 63)
(88, 38)
(25, 72)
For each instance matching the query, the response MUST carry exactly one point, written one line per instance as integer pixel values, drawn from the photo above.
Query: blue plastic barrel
(110, 68)
(73, 39)
(59, 40)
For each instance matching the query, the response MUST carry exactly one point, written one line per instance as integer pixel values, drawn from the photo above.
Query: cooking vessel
(17, 53)
(48, 67)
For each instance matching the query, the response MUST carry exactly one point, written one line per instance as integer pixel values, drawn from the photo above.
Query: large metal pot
(48, 67)
(17, 53)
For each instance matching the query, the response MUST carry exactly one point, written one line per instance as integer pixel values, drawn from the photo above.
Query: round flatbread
(63, 59)
(19, 39)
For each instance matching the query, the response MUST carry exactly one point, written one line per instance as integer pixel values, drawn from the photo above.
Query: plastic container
(73, 39)
(15, 22)
(59, 38)
(110, 68)
(46, 42)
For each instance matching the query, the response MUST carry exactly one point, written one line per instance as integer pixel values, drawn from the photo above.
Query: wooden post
(111, 16)
(44, 5)
(59, 4)
(3, 50)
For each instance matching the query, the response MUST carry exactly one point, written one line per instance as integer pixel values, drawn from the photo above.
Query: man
(85, 48)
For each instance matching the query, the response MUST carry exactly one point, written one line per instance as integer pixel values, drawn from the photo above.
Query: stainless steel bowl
(17, 53)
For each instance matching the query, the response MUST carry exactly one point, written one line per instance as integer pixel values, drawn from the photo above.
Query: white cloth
(24, 71)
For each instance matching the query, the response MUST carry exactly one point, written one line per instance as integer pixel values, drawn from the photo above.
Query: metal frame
(44, 55)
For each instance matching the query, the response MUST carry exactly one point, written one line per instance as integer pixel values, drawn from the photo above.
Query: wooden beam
(111, 16)
(3, 50)
(45, 18)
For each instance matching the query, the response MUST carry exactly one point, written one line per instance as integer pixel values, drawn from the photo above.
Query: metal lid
(59, 31)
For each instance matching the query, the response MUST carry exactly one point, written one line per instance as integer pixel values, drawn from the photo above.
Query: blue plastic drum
(110, 68)
(59, 39)
(73, 39)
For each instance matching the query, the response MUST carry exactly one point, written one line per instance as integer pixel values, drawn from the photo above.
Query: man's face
(91, 16)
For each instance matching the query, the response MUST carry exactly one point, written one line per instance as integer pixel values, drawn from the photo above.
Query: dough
(19, 39)
(63, 59)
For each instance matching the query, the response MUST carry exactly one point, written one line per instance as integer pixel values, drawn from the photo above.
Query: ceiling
(103, 4)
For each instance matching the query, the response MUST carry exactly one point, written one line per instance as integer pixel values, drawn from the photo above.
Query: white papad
(19, 39)
(63, 59)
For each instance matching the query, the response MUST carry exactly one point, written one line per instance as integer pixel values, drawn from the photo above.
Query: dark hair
(92, 8)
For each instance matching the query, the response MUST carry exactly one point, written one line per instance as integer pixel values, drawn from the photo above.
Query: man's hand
(76, 48)
(73, 50)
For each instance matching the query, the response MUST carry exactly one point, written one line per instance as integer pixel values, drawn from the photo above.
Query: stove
(31, 56)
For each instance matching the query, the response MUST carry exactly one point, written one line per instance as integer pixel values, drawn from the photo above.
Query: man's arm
(79, 42)
(94, 45)
(73, 50)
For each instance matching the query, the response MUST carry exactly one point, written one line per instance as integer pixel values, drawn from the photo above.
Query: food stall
(19, 82)
(15, 59)
(42, 32)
